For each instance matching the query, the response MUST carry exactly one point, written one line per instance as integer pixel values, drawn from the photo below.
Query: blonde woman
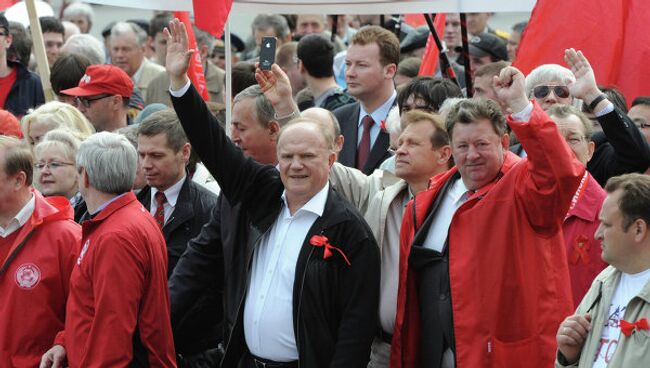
(53, 115)
(55, 173)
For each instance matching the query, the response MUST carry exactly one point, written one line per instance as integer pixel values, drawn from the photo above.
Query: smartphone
(267, 53)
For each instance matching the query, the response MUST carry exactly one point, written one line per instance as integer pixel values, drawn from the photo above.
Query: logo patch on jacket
(27, 276)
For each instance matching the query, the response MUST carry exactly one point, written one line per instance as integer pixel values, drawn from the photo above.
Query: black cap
(4, 23)
(415, 39)
(487, 44)
(235, 42)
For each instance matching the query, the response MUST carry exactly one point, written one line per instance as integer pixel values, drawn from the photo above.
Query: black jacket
(348, 117)
(25, 93)
(335, 305)
(199, 328)
(620, 148)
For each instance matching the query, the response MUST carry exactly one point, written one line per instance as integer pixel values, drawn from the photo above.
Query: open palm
(178, 56)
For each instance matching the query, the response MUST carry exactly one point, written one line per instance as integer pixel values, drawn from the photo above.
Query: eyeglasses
(543, 91)
(85, 101)
(52, 165)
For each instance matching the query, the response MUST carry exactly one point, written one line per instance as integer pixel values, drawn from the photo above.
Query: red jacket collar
(118, 203)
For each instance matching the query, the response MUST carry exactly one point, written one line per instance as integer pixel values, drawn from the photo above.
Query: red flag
(4, 4)
(195, 71)
(612, 34)
(414, 20)
(431, 53)
(211, 15)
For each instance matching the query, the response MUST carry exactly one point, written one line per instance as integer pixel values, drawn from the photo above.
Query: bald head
(328, 121)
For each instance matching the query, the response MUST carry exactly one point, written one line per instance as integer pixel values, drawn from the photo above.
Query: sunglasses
(543, 91)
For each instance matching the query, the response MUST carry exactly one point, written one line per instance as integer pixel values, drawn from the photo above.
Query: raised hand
(585, 87)
(178, 56)
(54, 358)
(571, 336)
(509, 86)
(277, 88)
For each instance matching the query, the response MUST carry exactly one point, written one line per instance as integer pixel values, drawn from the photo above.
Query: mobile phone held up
(267, 53)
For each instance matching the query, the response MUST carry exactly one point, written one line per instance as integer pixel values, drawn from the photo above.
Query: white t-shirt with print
(628, 287)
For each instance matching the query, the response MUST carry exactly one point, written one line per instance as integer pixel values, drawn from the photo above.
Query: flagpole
(445, 67)
(469, 88)
(228, 100)
(39, 51)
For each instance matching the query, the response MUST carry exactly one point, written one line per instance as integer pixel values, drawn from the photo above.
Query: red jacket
(507, 263)
(34, 281)
(119, 284)
(583, 250)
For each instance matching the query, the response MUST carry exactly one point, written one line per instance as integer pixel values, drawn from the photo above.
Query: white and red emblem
(27, 276)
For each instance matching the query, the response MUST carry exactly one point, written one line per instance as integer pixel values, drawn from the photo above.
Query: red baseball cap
(100, 79)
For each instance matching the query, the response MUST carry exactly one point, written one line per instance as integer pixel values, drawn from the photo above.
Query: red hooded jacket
(507, 262)
(34, 279)
(119, 283)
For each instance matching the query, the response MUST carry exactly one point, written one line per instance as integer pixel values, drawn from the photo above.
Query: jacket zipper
(302, 285)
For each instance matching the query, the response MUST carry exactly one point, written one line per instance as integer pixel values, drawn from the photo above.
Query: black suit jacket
(334, 304)
(348, 117)
(200, 327)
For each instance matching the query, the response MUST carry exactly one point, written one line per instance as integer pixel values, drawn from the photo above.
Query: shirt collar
(138, 73)
(380, 113)
(26, 212)
(315, 205)
(105, 204)
(171, 193)
(457, 190)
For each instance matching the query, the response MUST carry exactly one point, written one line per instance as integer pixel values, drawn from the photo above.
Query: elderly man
(371, 62)
(38, 244)
(314, 261)
(80, 14)
(610, 326)
(103, 97)
(118, 308)
(127, 48)
(180, 207)
(620, 148)
(581, 221)
(483, 245)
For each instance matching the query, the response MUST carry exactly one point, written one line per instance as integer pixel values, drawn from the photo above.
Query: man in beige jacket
(611, 326)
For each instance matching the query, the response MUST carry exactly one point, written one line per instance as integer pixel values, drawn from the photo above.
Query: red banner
(195, 71)
(612, 34)
(431, 53)
(211, 15)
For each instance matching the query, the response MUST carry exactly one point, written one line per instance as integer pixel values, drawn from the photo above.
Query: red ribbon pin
(322, 241)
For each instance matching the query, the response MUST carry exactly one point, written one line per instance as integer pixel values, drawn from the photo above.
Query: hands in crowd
(510, 88)
(585, 87)
(178, 56)
(277, 88)
(572, 335)
(54, 358)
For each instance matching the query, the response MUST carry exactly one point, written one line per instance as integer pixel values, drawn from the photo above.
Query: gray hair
(264, 111)
(63, 140)
(85, 45)
(122, 28)
(447, 105)
(79, 9)
(203, 38)
(164, 122)
(279, 24)
(110, 162)
(548, 73)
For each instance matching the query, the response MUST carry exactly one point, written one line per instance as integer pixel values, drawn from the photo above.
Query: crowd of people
(351, 213)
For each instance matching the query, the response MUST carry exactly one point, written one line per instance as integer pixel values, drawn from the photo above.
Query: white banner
(340, 6)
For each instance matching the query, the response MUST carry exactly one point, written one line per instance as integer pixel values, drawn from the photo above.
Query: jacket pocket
(523, 352)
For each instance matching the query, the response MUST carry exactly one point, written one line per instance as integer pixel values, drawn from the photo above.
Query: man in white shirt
(181, 207)
(610, 327)
(313, 263)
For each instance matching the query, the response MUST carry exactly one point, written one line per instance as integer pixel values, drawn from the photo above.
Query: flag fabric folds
(431, 52)
(211, 15)
(195, 71)
(610, 33)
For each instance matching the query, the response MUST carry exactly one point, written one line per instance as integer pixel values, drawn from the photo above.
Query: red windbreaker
(34, 280)
(119, 284)
(507, 262)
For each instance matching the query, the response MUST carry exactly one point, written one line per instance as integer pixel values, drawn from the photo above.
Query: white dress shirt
(378, 116)
(172, 196)
(20, 219)
(268, 312)
(439, 230)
